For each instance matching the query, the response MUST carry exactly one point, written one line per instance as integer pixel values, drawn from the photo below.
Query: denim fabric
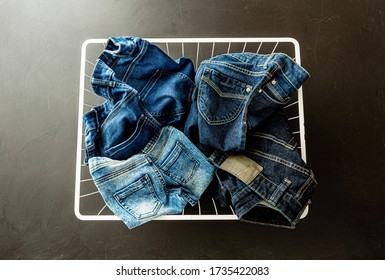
(271, 185)
(237, 111)
(144, 90)
(236, 92)
(166, 175)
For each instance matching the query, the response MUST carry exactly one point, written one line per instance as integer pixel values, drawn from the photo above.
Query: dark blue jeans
(237, 116)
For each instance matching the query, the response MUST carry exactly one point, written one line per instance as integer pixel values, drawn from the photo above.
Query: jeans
(268, 183)
(237, 116)
(237, 92)
(144, 90)
(166, 175)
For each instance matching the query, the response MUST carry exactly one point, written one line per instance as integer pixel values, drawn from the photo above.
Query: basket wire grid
(89, 204)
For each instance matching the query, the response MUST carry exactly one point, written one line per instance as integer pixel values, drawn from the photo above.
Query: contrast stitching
(118, 108)
(304, 188)
(280, 160)
(223, 94)
(274, 100)
(126, 142)
(219, 122)
(274, 139)
(138, 57)
(275, 92)
(121, 171)
(242, 70)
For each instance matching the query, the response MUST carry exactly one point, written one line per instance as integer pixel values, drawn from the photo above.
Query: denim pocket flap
(220, 97)
(139, 198)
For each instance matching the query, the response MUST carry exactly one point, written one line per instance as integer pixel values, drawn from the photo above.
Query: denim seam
(135, 60)
(276, 93)
(150, 85)
(223, 94)
(270, 224)
(173, 114)
(174, 159)
(125, 144)
(219, 122)
(236, 58)
(134, 213)
(239, 192)
(239, 69)
(184, 76)
(153, 142)
(274, 139)
(293, 198)
(274, 100)
(278, 192)
(140, 183)
(280, 160)
(158, 173)
(304, 188)
(117, 109)
(121, 171)
(98, 166)
(283, 73)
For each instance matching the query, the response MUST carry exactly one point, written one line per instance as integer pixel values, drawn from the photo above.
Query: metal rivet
(260, 90)
(273, 82)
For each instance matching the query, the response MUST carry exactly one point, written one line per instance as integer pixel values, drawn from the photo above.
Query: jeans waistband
(256, 198)
(250, 66)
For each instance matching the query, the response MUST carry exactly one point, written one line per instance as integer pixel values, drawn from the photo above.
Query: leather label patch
(242, 167)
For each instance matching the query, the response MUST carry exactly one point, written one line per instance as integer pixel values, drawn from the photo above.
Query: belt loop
(281, 188)
(268, 60)
(96, 119)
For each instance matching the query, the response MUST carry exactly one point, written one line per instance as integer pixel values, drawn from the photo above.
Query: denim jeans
(166, 175)
(144, 90)
(268, 183)
(237, 92)
(237, 113)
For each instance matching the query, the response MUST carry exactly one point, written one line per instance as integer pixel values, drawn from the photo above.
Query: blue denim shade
(279, 194)
(237, 116)
(144, 90)
(169, 173)
(145, 168)
(237, 91)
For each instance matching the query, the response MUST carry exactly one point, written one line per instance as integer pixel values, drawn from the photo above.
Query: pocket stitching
(195, 162)
(236, 113)
(145, 182)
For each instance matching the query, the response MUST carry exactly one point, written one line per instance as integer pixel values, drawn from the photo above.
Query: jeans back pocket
(139, 198)
(180, 165)
(220, 97)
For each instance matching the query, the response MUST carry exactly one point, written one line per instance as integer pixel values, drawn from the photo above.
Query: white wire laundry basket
(89, 204)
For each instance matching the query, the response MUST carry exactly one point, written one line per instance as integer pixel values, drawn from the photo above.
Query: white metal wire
(201, 215)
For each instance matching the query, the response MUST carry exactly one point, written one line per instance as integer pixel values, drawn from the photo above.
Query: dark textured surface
(342, 46)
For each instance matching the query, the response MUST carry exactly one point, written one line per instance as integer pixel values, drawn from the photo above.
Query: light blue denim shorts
(169, 173)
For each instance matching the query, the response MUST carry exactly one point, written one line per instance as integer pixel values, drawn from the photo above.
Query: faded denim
(166, 175)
